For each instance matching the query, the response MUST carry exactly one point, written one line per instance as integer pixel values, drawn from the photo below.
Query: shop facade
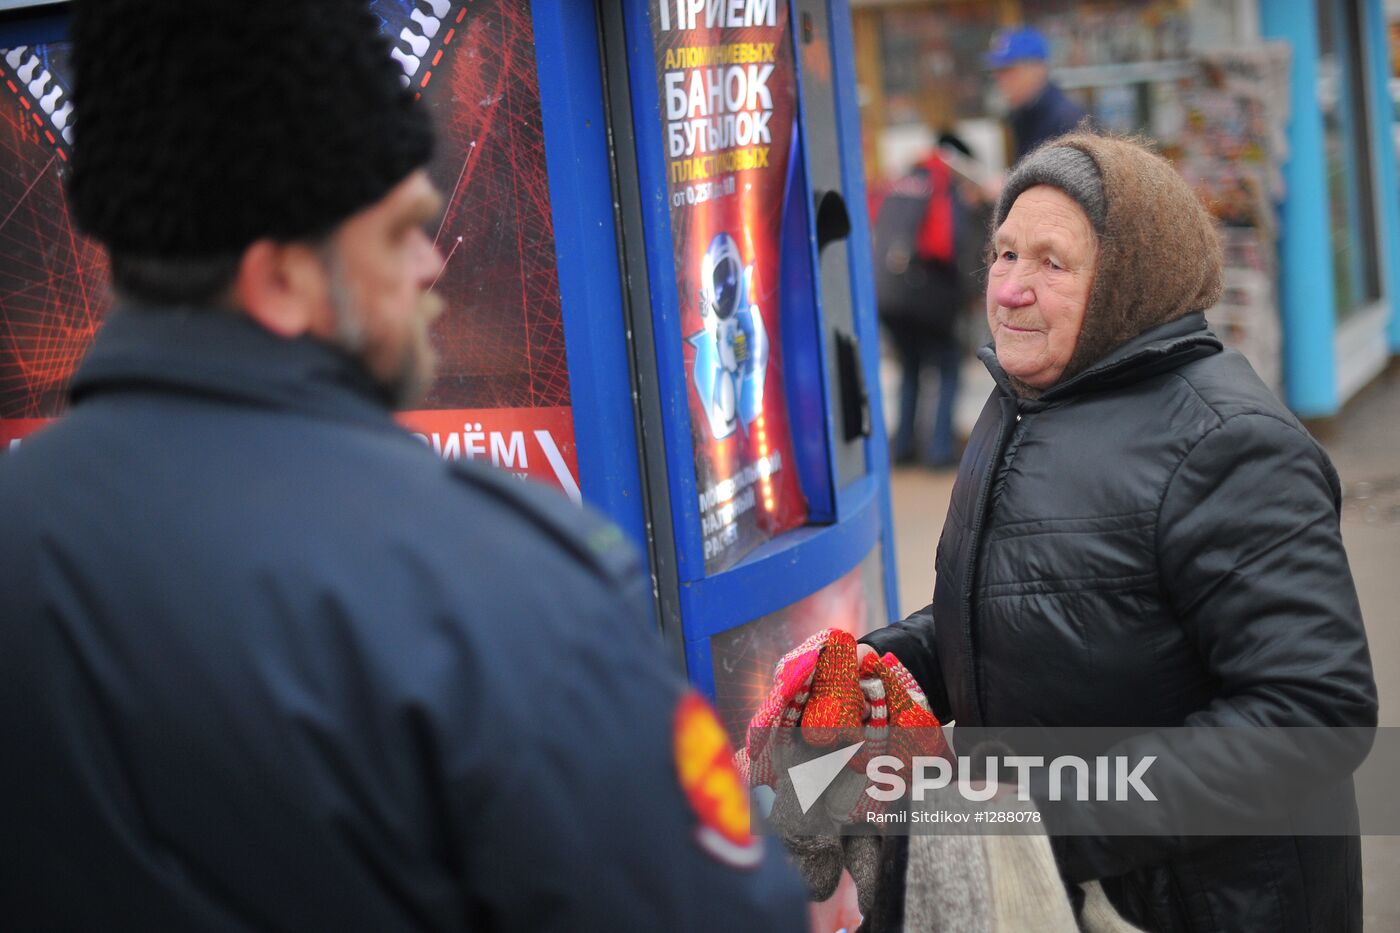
(1279, 114)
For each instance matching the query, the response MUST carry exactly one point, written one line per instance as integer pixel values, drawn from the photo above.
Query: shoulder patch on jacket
(583, 532)
(712, 785)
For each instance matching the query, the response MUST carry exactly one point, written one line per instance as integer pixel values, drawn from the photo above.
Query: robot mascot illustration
(731, 352)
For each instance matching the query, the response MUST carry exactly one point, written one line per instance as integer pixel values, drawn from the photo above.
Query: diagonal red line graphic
(27, 191)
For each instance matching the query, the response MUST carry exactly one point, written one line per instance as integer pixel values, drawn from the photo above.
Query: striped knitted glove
(814, 687)
(914, 730)
(772, 725)
(836, 707)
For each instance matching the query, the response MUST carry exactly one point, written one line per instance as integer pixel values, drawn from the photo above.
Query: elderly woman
(1141, 535)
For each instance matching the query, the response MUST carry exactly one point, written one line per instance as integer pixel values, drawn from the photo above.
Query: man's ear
(283, 286)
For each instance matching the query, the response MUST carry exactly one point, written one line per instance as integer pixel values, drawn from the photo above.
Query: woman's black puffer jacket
(1155, 543)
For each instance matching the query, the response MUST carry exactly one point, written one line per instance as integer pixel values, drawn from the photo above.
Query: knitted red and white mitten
(914, 730)
(906, 680)
(836, 705)
(773, 722)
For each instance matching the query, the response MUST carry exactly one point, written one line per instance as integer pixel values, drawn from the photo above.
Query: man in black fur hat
(266, 662)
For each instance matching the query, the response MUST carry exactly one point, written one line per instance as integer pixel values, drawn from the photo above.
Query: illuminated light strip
(765, 481)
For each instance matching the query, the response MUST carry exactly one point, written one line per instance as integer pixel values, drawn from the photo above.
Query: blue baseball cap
(1017, 45)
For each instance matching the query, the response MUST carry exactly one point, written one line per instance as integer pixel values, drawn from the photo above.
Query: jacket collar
(1049, 97)
(1029, 107)
(1158, 349)
(225, 355)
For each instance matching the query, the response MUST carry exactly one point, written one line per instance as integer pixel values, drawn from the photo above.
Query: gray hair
(165, 280)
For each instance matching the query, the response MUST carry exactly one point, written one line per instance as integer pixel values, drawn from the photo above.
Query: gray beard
(352, 337)
(412, 378)
(349, 322)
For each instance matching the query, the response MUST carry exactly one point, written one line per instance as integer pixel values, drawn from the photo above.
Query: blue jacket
(267, 663)
(1049, 115)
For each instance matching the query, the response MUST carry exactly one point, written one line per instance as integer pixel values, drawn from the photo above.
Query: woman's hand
(861, 652)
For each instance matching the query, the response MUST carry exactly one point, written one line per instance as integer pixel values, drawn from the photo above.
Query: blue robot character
(731, 351)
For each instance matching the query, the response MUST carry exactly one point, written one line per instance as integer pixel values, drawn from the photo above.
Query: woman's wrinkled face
(1038, 284)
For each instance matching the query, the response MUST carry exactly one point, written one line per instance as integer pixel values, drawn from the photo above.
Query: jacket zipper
(974, 547)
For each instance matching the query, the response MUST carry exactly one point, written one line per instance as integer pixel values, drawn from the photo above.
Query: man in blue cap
(1039, 109)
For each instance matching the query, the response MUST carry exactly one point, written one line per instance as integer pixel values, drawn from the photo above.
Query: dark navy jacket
(267, 663)
(1155, 543)
(1049, 115)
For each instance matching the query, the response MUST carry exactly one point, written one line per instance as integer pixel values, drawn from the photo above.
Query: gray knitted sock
(818, 858)
(819, 861)
(946, 885)
(1027, 893)
(1098, 915)
(862, 860)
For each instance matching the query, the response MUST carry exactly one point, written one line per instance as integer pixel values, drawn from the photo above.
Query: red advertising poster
(502, 393)
(53, 282)
(727, 86)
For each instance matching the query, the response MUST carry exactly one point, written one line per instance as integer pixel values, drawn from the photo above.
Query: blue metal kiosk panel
(780, 574)
(665, 302)
(39, 24)
(576, 153)
(862, 277)
(818, 487)
(1383, 147)
(1305, 255)
(786, 569)
(812, 421)
(699, 654)
(798, 563)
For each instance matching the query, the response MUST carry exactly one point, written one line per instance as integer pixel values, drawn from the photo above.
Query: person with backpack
(919, 288)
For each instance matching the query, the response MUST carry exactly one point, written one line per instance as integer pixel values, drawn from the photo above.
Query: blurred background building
(1282, 114)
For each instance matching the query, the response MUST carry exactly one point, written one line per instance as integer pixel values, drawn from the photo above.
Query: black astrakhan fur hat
(203, 125)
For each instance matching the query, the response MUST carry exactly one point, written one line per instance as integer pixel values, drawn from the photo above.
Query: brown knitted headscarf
(1159, 253)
